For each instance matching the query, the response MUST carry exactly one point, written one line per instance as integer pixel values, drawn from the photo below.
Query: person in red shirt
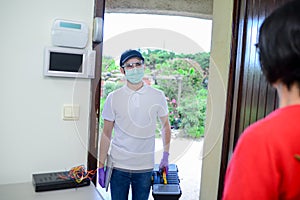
(266, 161)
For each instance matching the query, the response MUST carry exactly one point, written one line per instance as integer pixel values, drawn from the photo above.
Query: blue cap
(130, 54)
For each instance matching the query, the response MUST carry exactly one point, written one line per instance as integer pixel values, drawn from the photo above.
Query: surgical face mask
(134, 75)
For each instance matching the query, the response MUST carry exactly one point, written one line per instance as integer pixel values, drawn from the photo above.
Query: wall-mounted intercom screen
(69, 62)
(66, 62)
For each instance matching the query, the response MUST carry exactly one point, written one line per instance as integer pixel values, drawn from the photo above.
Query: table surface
(25, 191)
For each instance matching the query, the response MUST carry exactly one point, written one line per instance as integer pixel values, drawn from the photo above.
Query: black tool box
(169, 191)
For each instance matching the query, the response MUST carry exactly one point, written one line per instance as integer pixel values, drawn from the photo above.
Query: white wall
(217, 86)
(33, 136)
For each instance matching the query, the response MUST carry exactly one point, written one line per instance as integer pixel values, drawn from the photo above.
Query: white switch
(71, 112)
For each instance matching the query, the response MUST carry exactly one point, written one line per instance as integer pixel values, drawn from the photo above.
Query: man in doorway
(132, 112)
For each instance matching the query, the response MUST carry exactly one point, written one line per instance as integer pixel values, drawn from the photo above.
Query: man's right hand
(101, 177)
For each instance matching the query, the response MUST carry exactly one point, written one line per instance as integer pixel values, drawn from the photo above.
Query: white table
(25, 191)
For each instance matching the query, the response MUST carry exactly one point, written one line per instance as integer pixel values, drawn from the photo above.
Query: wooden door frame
(234, 91)
(92, 162)
(231, 131)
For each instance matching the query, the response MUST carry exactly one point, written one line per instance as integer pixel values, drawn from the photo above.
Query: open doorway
(186, 43)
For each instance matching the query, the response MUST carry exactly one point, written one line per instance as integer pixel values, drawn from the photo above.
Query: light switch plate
(71, 112)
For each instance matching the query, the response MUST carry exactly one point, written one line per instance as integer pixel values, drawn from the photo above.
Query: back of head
(279, 44)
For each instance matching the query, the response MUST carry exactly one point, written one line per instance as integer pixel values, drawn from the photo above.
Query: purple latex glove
(164, 163)
(101, 177)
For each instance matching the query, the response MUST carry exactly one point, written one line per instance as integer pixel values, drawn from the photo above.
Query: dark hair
(279, 44)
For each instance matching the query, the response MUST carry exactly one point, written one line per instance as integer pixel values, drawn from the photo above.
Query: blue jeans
(121, 180)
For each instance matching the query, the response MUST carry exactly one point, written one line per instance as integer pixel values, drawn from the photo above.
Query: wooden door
(249, 97)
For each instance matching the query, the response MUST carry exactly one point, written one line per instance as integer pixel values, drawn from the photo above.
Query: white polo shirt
(135, 114)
